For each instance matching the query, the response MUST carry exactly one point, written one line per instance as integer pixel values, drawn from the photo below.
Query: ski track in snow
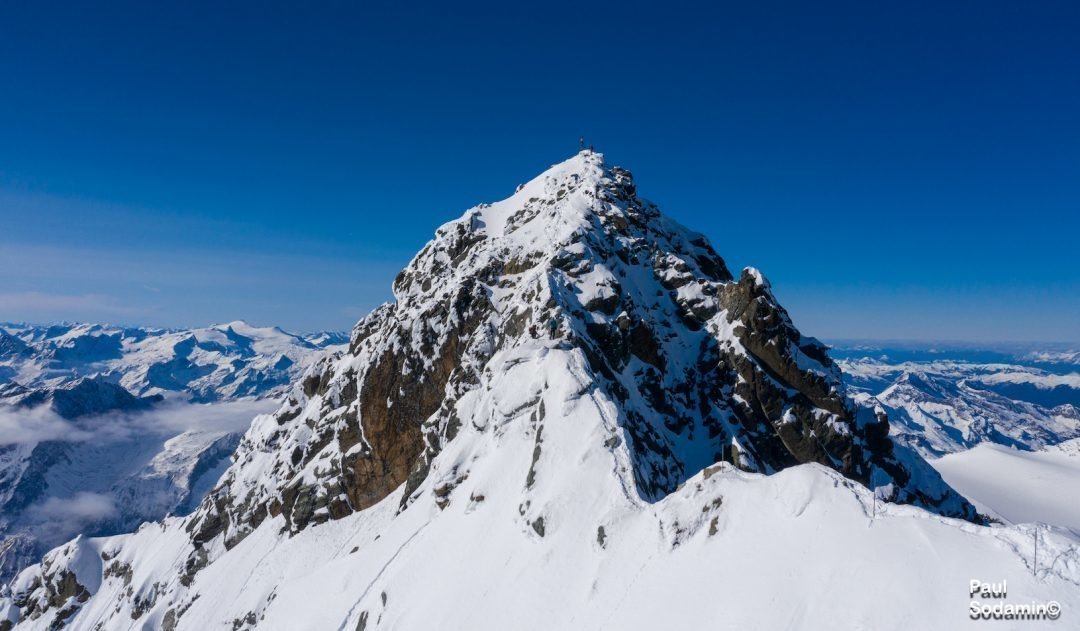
(379, 574)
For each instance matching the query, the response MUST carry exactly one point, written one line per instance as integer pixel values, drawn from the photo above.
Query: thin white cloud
(227, 416)
(29, 426)
(84, 506)
(55, 519)
(35, 301)
(46, 283)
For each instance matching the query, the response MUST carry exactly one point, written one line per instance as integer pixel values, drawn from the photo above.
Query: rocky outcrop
(54, 588)
(11, 346)
(83, 397)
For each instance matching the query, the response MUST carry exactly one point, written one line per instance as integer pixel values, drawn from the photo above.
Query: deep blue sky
(898, 170)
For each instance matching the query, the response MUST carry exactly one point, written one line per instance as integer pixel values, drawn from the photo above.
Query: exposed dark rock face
(82, 397)
(55, 589)
(11, 346)
(32, 483)
(773, 383)
(378, 407)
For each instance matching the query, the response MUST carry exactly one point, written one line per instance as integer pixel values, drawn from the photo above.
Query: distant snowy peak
(919, 386)
(941, 407)
(327, 339)
(81, 397)
(11, 346)
(224, 361)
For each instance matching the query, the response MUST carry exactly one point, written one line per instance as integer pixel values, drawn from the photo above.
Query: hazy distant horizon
(834, 342)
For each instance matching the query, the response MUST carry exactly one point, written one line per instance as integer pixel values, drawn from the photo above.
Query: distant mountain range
(226, 361)
(104, 427)
(944, 399)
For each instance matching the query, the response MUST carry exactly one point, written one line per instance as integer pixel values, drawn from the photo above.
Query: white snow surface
(1019, 486)
(798, 549)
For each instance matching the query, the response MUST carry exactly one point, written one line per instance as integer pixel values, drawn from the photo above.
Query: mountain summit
(569, 386)
(573, 275)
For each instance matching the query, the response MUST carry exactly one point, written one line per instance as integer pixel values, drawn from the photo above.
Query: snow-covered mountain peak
(573, 182)
(559, 207)
(556, 367)
(574, 273)
(244, 329)
(919, 384)
(581, 223)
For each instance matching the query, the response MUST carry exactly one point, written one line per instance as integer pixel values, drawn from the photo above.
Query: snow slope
(798, 549)
(573, 416)
(1019, 486)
